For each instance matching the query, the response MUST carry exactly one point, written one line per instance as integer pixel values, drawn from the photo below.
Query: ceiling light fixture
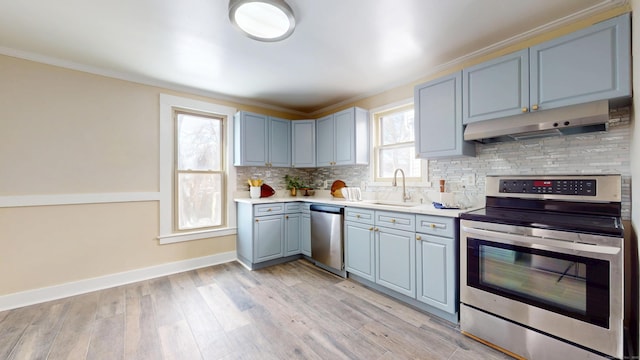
(263, 20)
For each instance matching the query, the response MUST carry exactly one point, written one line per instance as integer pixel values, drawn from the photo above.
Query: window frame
(375, 115)
(177, 171)
(168, 147)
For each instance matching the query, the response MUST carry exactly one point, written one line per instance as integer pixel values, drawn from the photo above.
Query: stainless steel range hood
(576, 119)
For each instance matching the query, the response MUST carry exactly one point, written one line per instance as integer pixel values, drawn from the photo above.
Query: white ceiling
(340, 50)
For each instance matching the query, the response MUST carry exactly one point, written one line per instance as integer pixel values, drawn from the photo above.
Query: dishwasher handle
(331, 209)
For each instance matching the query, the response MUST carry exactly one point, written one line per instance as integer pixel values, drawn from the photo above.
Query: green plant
(293, 182)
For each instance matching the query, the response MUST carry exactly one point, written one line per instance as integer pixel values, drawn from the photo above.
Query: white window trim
(167, 104)
(424, 166)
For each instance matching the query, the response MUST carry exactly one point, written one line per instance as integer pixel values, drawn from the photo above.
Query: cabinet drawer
(292, 207)
(268, 209)
(394, 220)
(436, 225)
(363, 216)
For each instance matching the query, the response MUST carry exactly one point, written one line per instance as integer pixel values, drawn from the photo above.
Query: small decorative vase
(293, 191)
(254, 192)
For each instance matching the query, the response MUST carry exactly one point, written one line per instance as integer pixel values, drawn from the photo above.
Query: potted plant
(293, 183)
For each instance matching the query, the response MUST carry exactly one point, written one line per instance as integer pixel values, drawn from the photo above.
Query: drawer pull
(371, 228)
(393, 221)
(269, 209)
(286, 216)
(418, 237)
(358, 216)
(437, 226)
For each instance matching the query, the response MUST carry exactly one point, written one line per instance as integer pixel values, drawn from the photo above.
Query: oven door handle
(541, 243)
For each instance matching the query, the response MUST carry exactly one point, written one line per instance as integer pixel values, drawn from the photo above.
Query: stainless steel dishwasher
(327, 244)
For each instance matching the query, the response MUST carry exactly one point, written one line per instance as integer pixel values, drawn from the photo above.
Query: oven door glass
(571, 285)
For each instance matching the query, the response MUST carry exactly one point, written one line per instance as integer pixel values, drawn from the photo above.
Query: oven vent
(570, 120)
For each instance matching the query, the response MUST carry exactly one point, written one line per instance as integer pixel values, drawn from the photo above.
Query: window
(199, 173)
(394, 146)
(195, 165)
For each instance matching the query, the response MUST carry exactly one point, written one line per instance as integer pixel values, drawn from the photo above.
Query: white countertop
(426, 209)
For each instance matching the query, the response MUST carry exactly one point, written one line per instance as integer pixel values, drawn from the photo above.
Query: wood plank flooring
(288, 311)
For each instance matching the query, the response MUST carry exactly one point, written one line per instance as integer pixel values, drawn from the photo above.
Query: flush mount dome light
(263, 20)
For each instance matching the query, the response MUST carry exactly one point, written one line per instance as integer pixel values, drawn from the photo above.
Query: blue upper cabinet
(250, 132)
(438, 119)
(325, 143)
(343, 138)
(303, 143)
(496, 88)
(260, 140)
(588, 65)
(279, 142)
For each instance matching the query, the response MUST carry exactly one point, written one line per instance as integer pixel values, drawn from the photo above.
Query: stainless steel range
(541, 267)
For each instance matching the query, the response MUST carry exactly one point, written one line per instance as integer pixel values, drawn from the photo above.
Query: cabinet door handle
(534, 107)
(376, 229)
(286, 216)
(371, 228)
(418, 237)
(524, 109)
(257, 220)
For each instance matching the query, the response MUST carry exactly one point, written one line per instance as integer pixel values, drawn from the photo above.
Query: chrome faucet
(405, 196)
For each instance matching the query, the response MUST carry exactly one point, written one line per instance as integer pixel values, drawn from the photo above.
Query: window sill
(195, 235)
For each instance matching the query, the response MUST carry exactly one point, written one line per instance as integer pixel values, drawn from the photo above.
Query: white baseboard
(30, 297)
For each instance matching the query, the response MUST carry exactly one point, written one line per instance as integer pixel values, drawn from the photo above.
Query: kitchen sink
(393, 203)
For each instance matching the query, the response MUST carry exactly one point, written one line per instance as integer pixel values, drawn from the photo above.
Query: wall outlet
(469, 179)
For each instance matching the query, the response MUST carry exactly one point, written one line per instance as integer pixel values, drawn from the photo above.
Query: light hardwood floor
(289, 311)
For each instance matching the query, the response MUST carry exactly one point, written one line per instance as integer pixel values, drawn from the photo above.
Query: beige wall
(69, 132)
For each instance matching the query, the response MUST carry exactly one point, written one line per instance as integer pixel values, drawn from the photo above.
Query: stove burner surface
(580, 223)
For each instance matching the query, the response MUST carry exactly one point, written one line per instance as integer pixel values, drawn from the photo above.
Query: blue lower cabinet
(359, 249)
(406, 254)
(292, 225)
(396, 260)
(436, 275)
(305, 234)
(269, 234)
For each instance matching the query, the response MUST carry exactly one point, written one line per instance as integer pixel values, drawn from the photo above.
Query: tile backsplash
(594, 153)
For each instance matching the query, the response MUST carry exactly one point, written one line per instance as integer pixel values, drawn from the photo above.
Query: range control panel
(556, 187)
